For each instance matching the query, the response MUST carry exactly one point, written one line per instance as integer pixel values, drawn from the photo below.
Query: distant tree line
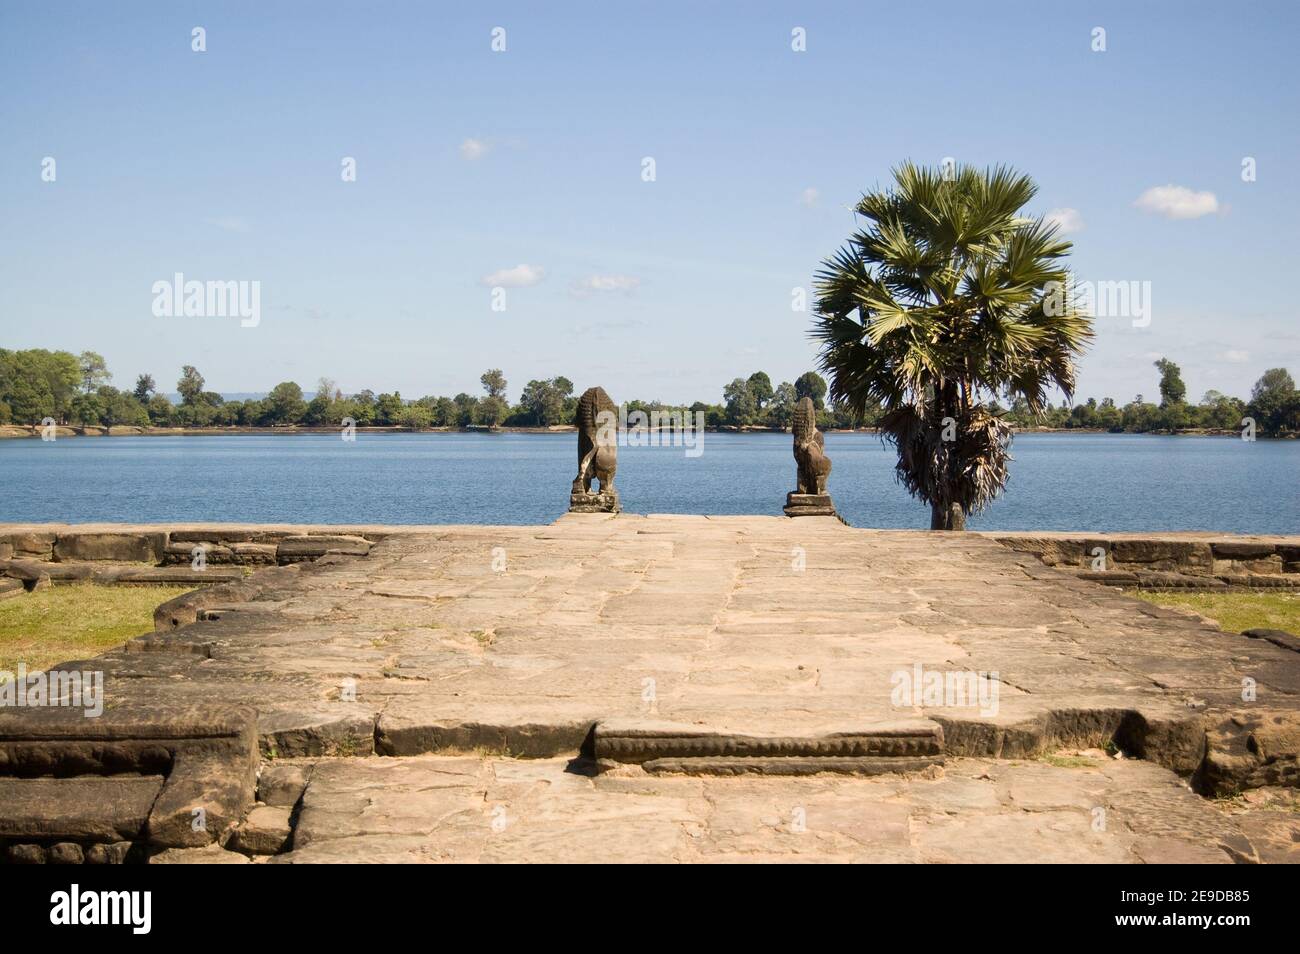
(1274, 405)
(75, 389)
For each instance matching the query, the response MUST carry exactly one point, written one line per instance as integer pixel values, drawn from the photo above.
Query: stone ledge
(205, 758)
(1243, 561)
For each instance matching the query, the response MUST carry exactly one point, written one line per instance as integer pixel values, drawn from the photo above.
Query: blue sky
(225, 165)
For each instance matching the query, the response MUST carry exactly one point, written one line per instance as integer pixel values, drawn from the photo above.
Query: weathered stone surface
(66, 853)
(31, 544)
(434, 809)
(32, 571)
(1162, 554)
(183, 575)
(187, 551)
(808, 505)
(1277, 637)
(253, 554)
(701, 622)
(265, 831)
(140, 547)
(783, 766)
(295, 549)
(282, 783)
(88, 808)
(26, 855)
(1242, 550)
(11, 588)
(114, 854)
(208, 855)
(1252, 749)
(598, 502)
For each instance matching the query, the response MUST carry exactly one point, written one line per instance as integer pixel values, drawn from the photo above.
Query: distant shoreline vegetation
(38, 386)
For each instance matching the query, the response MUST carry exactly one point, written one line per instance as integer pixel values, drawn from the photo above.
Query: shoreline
(21, 432)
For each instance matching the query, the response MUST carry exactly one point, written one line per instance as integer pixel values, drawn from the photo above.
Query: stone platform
(675, 687)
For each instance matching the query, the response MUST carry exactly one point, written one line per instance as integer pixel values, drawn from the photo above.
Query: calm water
(1058, 482)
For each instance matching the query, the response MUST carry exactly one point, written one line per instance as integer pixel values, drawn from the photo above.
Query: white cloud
(1235, 356)
(809, 197)
(472, 149)
(1066, 220)
(1177, 202)
(521, 276)
(604, 283)
(229, 223)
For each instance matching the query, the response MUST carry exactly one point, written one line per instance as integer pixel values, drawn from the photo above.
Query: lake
(1099, 482)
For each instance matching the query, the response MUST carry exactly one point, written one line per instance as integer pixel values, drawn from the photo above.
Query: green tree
(144, 388)
(190, 385)
(1274, 403)
(161, 411)
(543, 402)
(780, 410)
(494, 383)
(813, 385)
(317, 412)
(284, 405)
(389, 409)
(94, 371)
(1172, 389)
(949, 297)
(740, 403)
(1220, 412)
(466, 409)
(760, 386)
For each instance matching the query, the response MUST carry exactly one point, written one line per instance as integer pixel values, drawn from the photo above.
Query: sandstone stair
(667, 748)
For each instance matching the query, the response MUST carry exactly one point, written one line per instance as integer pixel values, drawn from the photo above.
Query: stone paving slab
(441, 809)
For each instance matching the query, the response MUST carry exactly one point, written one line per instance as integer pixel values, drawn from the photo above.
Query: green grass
(1236, 611)
(75, 621)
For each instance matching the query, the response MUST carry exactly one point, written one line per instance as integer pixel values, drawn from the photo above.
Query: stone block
(1241, 550)
(282, 783)
(1180, 555)
(31, 544)
(66, 853)
(580, 502)
(126, 547)
(808, 505)
(84, 808)
(266, 831)
(114, 854)
(296, 549)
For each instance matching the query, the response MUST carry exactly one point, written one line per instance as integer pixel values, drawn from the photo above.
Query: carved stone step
(789, 766)
(667, 742)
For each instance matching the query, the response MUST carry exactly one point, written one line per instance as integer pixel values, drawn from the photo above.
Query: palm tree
(947, 298)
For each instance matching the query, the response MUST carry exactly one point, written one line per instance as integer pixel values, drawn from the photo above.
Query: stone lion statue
(597, 443)
(809, 449)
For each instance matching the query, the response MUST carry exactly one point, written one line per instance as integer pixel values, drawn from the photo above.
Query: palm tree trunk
(950, 517)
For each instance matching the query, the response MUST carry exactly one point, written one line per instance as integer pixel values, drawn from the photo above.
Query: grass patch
(75, 621)
(1235, 611)
(1068, 761)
